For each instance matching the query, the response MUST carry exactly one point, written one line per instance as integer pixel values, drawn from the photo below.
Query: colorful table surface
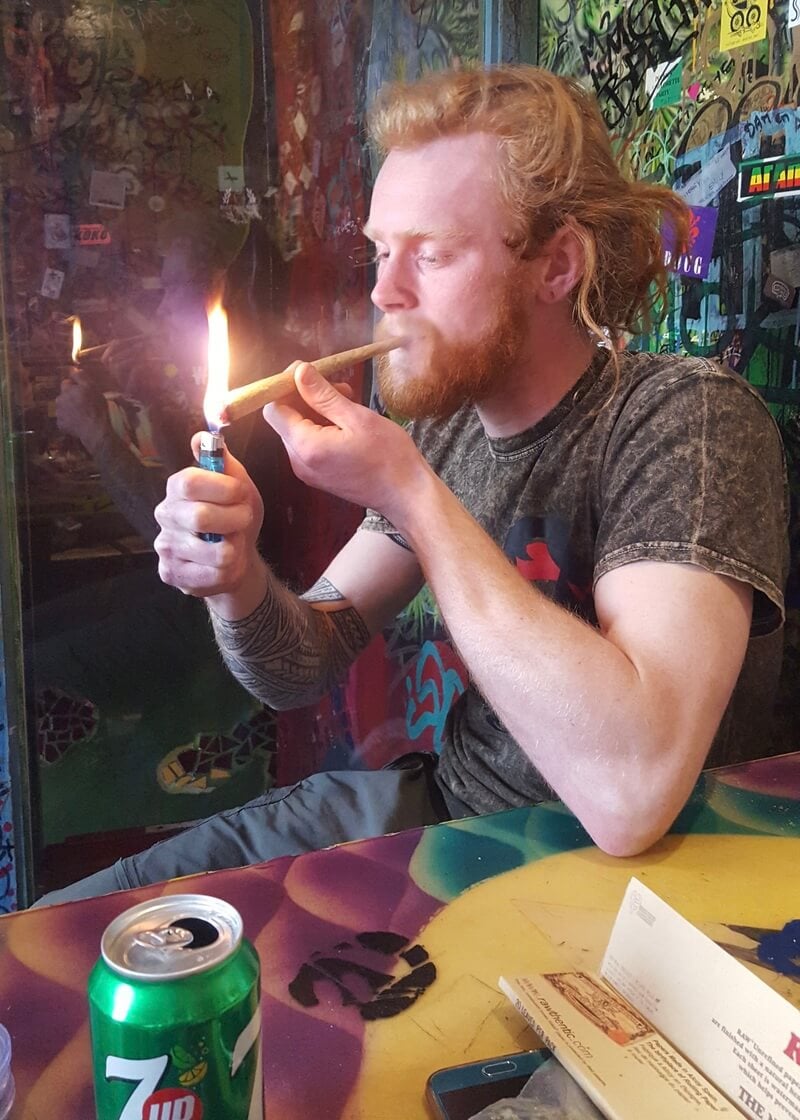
(380, 959)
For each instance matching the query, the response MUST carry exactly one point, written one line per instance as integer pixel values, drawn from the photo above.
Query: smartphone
(458, 1092)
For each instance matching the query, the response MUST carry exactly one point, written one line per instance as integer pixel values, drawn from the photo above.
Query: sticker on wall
(696, 258)
(230, 178)
(779, 292)
(742, 22)
(93, 235)
(663, 83)
(52, 283)
(706, 184)
(785, 264)
(107, 188)
(57, 231)
(774, 177)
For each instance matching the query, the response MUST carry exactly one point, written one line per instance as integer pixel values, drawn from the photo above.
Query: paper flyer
(742, 22)
(706, 184)
(731, 1025)
(628, 1069)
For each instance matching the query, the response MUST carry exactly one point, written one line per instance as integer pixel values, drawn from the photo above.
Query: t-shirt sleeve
(694, 472)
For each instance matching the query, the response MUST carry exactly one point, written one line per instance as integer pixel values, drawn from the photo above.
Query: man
(508, 246)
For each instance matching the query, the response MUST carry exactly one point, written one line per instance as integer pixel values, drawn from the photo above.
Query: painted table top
(380, 958)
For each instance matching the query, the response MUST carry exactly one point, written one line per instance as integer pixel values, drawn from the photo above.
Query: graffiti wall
(152, 152)
(329, 58)
(703, 96)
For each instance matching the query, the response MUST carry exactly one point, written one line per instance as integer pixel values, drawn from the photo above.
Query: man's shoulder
(646, 374)
(662, 367)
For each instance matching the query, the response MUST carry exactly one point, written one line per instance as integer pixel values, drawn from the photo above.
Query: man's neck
(547, 370)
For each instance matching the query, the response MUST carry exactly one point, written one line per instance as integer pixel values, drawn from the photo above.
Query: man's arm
(291, 650)
(618, 719)
(285, 649)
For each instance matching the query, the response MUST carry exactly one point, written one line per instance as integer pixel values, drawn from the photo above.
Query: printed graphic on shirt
(540, 549)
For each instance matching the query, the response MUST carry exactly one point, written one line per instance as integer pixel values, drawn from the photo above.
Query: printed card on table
(737, 1031)
(628, 1069)
(673, 1025)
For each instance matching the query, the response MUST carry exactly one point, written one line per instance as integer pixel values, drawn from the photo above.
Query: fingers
(201, 502)
(320, 394)
(194, 495)
(233, 468)
(316, 403)
(198, 567)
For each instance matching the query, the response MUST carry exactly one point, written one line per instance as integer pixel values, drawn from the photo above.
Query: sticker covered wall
(702, 96)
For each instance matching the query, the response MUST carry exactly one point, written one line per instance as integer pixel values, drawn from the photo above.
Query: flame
(77, 337)
(218, 366)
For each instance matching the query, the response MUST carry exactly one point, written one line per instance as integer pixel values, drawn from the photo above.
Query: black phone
(458, 1092)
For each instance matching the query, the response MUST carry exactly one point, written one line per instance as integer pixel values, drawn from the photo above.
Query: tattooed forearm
(323, 591)
(290, 650)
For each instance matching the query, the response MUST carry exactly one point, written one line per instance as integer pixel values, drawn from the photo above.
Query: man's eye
(368, 255)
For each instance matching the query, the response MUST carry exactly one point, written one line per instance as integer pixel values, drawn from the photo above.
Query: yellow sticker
(742, 22)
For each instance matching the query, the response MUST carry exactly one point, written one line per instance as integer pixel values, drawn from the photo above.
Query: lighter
(212, 458)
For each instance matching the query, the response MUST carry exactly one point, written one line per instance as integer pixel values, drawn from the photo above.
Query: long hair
(556, 169)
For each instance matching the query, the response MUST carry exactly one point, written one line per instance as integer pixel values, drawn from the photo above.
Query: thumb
(232, 465)
(320, 395)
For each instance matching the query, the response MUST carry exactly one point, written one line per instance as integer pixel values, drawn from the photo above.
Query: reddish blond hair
(557, 169)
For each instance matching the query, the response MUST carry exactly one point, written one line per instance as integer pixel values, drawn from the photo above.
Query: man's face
(446, 279)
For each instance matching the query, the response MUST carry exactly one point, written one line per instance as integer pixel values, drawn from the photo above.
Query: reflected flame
(77, 337)
(218, 366)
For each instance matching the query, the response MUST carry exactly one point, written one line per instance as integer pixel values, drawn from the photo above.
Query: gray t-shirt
(679, 462)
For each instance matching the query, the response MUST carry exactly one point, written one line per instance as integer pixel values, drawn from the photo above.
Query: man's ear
(559, 267)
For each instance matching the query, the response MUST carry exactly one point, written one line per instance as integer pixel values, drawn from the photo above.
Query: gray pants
(325, 809)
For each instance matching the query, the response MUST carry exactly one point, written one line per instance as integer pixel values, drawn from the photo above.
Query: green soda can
(175, 1015)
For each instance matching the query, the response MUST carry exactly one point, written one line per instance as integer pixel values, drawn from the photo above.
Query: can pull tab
(163, 938)
(181, 945)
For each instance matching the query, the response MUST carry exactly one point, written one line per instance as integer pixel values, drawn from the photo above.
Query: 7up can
(174, 1013)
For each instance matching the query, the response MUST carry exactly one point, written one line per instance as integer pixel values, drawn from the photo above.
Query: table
(380, 958)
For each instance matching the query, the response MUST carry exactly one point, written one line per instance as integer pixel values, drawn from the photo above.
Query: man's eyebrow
(417, 234)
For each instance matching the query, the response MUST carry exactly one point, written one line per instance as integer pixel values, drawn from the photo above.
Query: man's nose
(393, 290)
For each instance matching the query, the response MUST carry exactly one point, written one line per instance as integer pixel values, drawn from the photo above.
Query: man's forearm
(600, 734)
(291, 650)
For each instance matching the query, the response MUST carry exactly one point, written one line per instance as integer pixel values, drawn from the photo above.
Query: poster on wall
(695, 259)
(742, 22)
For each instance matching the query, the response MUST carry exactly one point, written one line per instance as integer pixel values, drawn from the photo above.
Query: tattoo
(323, 591)
(287, 653)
